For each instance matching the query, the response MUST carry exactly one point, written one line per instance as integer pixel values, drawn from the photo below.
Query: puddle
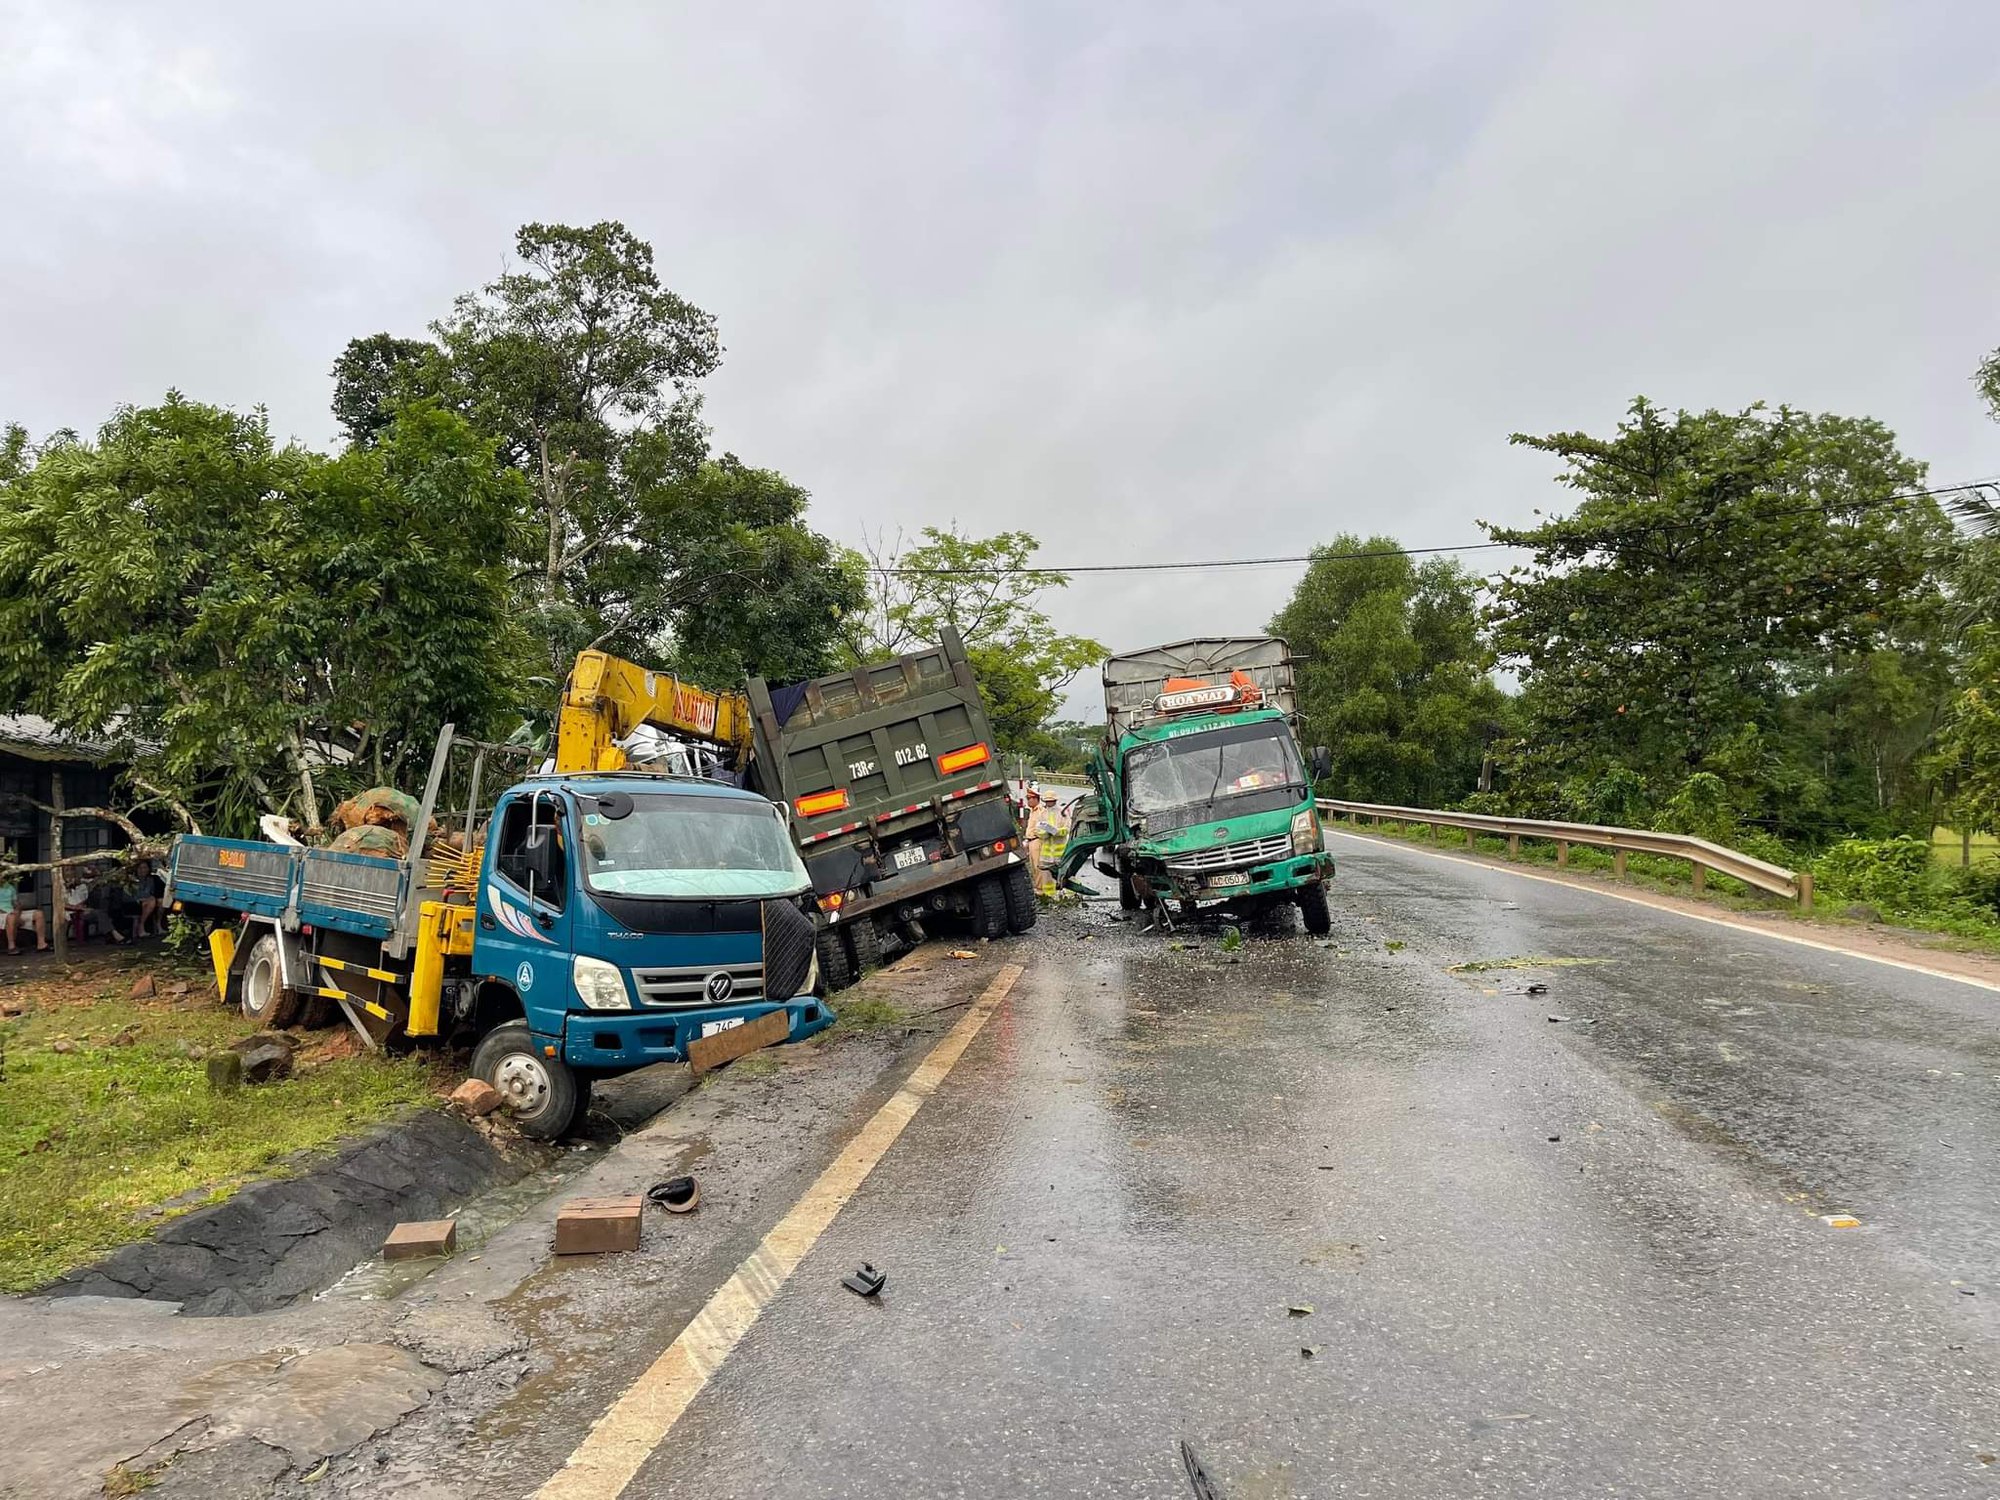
(377, 1280)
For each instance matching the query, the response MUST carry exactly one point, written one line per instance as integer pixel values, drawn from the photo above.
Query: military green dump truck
(898, 802)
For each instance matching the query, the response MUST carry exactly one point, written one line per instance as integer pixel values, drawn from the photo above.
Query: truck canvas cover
(1134, 682)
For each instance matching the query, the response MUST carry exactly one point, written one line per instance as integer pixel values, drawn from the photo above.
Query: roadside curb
(284, 1238)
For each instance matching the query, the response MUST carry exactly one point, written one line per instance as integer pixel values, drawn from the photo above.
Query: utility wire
(1976, 486)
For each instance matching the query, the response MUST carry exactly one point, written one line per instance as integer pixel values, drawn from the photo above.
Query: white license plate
(710, 1028)
(914, 855)
(1233, 877)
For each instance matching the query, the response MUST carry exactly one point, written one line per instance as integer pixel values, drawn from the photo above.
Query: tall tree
(1721, 600)
(989, 591)
(585, 369)
(1393, 677)
(241, 617)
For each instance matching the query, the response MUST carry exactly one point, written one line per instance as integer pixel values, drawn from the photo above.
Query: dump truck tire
(836, 965)
(1021, 907)
(989, 907)
(540, 1092)
(1312, 906)
(864, 941)
(265, 998)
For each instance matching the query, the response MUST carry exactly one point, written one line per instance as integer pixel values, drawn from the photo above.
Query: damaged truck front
(1202, 797)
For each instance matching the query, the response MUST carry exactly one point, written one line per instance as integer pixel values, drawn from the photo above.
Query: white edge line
(1672, 911)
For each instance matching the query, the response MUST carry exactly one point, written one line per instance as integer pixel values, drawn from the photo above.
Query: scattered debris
(866, 1282)
(144, 987)
(593, 1226)
(1573, 1020)
(1204, 1487)
(1393, 946)
(415, 1239)
(1553, 1139)
(475, 1097)
(1482, 965)
(1300, 1309)
(1840, 1221)
(1310, 1351)
(267, 1056)
(963, 953)
(726, 1046)
(677, 1195)
(125, 1038)
(1537, 988)
(225, 1070)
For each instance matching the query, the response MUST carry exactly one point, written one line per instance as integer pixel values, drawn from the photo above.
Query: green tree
(989, 591)
(1746, 594)
(1393, 677)
(243, 618)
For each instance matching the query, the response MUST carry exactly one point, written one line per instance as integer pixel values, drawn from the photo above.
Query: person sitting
(151, 892)
(18, 914)
(88, 903)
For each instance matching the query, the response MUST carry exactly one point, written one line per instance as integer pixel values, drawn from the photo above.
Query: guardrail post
(1562, 851)
(1436, 833)
(1805, 890)
(1513, 846)
(1618, 863)
(1697, 875)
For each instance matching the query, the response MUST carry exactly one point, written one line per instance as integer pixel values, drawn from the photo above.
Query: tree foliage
(246, 619)
(585, 371)
(989, 591)
(1747, 594)
(1393, 677)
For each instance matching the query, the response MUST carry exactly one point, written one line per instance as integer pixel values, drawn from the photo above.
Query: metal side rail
(1701, 855)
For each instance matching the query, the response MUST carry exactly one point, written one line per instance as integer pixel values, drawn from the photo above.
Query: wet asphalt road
(1560, 1259)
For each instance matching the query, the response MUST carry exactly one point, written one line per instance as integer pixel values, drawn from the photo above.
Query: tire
(1022, 908)
(541, 1092)
(319, 1013)
(864, 943)
(989, 907)
(1277, 919)
(836, 966)
(265, 999)
(1312, 906)
(1128, 893)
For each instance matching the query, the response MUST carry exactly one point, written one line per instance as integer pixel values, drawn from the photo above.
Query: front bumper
(617, 1041)
(1271, 878)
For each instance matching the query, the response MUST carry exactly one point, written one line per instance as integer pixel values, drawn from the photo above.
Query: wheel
(319, 1013)
(1312, 906)
(1128, 893)
(1021, 906)
(989, 907)
(540, 1092)
(1277, 919)
(836, 967)
(265, 998)
(864, 943)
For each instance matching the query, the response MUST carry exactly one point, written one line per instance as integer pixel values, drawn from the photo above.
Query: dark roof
(35, 738)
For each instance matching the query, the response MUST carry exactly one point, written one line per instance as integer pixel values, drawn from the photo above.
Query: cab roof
(644, 781)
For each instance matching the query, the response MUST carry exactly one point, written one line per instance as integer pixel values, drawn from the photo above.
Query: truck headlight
(599, 985)
(1305, 832)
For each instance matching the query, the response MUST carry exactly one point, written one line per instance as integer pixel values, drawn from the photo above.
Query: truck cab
(1203, 796)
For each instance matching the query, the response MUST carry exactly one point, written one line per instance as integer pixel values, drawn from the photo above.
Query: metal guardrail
(1701, 855)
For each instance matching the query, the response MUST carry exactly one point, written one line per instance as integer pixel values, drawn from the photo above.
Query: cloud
(1153, 281)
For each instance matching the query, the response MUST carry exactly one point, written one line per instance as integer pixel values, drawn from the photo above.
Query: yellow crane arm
(607, 699)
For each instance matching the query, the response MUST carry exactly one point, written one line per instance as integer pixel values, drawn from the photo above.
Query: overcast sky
(1151, 280)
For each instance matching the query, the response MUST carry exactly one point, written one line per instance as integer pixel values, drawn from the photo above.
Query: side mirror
(1322, 762)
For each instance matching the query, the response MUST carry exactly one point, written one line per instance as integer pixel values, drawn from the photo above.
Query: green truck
(1201, 797)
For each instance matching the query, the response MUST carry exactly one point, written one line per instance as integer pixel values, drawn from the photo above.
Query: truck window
(528, 821)
(676, 845)
(1179, 782)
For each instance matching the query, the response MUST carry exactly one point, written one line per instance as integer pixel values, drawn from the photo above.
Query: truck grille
(1228, 856)
(685, 987)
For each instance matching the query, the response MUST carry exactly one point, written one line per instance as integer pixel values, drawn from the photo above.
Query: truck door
(524, 905)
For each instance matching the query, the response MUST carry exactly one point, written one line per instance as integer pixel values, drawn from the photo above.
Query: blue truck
(603, 922)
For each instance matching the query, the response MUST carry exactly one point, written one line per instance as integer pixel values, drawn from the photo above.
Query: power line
(1975, 486)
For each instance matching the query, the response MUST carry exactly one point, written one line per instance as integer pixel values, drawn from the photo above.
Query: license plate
(913, 855)
(710, 1028)
(1233, 877)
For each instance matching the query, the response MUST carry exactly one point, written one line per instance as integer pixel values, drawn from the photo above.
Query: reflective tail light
(960, 760)
(814, 803)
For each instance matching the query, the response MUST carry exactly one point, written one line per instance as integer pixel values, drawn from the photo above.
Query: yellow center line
(1732, 923)
(639, 1420)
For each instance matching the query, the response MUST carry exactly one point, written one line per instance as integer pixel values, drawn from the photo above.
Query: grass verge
(107, 1124)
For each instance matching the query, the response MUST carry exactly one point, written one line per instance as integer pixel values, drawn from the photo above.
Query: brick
(590, 1226)
(143, 987)
(421, 1237)
(476, 1097)
(726, 1046)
